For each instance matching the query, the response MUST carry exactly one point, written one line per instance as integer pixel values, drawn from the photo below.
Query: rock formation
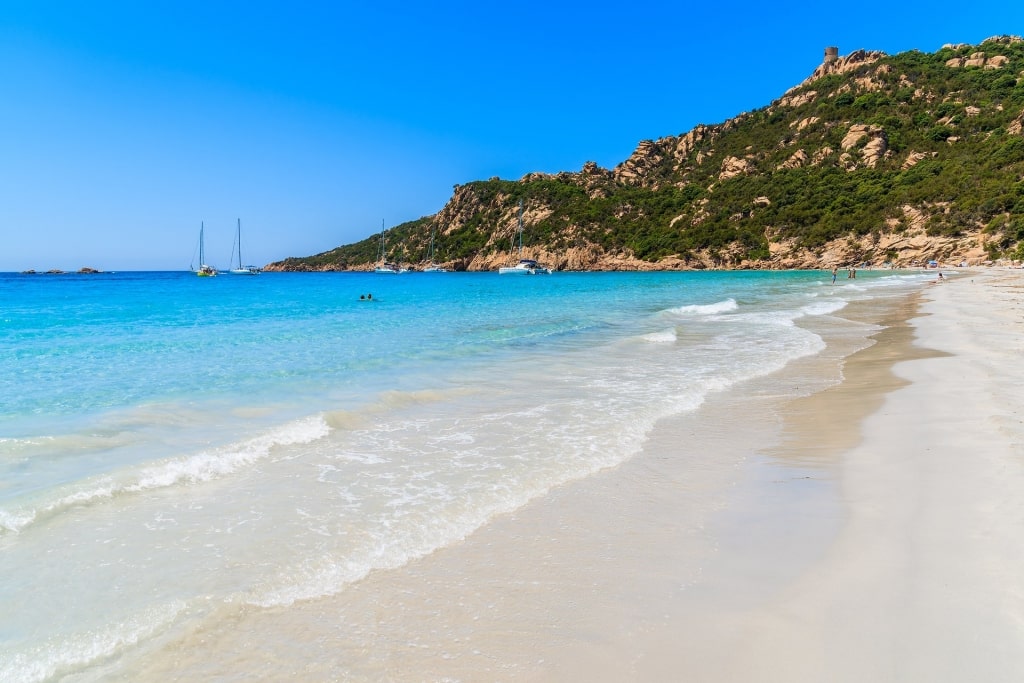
(872, 124)
(733, 167)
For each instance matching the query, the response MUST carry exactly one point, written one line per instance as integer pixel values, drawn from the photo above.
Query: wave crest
(198, 468)
(664, 337)
(705, 309)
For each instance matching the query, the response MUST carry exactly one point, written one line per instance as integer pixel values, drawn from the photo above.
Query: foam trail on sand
(663, 337)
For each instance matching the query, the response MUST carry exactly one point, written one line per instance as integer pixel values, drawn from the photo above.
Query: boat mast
(202, 259)
(520, 228)
(239, 243)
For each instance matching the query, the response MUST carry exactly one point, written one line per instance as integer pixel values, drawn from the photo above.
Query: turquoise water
(173, 448)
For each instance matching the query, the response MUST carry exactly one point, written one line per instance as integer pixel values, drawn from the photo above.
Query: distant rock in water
(28, 272)
(55, 271)
(89, 270)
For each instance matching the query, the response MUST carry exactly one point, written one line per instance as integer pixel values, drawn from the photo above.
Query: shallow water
(174, 449)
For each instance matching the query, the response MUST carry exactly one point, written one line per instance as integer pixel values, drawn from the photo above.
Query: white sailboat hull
(241, 270)
(524, 267)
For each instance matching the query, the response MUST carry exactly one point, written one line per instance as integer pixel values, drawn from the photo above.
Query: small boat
(204, 269)
(382, 265)
(433, 267)
(525, 266)
(241, 270)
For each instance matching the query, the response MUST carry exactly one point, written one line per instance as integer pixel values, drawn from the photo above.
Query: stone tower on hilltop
(831, 54)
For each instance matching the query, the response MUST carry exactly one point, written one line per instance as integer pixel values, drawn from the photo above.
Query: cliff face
(873, 159)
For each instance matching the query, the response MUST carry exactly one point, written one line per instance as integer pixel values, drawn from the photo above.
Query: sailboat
(526, 266)
(204, 270)
(382, 265)
(433, 267)
(241, 270)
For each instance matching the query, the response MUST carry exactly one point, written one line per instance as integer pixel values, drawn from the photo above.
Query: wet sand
(870, 530)
(924, 581)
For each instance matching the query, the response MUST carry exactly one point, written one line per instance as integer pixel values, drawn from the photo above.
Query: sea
(175, 449)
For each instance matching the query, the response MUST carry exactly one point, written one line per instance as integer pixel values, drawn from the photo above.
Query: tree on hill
(874, 157)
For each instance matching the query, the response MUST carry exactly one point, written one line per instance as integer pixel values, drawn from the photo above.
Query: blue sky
(123, 125)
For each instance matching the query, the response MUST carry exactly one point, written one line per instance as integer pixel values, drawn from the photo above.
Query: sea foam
(823, 307)
(705, 309)
(52, 658)
(664, 337)
(197, 468)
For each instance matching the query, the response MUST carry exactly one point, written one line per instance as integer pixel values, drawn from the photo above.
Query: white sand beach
(872, 531)
(924, 582)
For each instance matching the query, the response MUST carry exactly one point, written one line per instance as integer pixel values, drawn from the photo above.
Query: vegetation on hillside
(947, 143)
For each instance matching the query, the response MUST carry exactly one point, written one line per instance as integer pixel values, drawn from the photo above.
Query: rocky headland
(873, 159)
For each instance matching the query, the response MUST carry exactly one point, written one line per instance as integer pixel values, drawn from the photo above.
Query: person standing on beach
(835, 272)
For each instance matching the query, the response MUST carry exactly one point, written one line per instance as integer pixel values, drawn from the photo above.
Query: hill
(873, 159)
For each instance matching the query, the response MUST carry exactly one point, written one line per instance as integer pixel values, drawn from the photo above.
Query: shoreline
(923, 583)
(670, 566)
